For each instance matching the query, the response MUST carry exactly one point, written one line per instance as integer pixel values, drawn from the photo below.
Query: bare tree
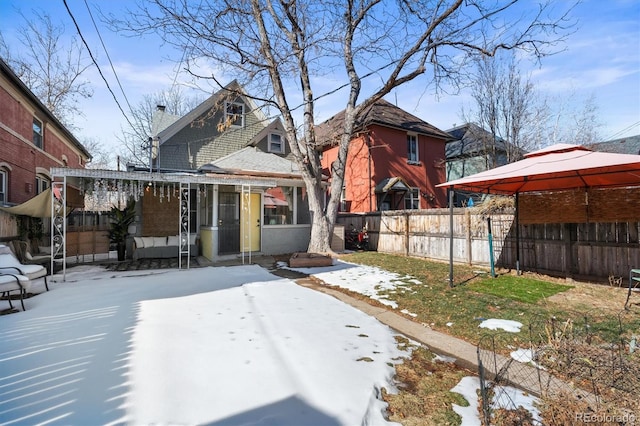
(575, 125)
(51, 64)
(507, 109)
(515, 118)
(277, 49)
(134, 139)
(102, 158)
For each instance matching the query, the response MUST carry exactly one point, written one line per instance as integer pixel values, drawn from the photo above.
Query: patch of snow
(522, 355)
(222, 345)
(467, 387)
(370, 281)
(407, 312)
(507, 325)
(506, 397)
(444, 358)
(449, 324)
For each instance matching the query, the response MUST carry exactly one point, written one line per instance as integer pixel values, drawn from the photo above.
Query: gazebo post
(517, 238)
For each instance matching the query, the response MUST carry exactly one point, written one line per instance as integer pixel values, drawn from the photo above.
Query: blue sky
(601, 59)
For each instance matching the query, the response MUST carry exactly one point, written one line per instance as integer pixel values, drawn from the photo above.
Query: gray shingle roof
(627, 145)
(254, 160)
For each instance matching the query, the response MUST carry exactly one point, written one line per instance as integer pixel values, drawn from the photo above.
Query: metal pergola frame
(62, 177)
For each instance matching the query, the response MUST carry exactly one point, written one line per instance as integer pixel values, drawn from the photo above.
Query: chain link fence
(582, 369)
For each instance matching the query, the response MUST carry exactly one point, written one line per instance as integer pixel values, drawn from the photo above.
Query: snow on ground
(370, 281)
(224, 345)
(504, 397)
(507, 325)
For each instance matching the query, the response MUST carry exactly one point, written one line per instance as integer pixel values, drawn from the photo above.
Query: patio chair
(9, 264)
(10, 283)
(24, 254)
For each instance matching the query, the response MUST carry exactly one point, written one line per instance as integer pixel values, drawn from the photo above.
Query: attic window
(275, 143)
(234, 114)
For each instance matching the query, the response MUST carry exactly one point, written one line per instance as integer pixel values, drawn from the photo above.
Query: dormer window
(275, 143)
(37, 133)
(234, 114)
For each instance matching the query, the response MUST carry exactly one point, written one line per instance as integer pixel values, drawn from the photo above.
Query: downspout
(368, 142)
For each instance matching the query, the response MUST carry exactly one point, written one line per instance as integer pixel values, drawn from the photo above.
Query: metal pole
(451, 237)
(491, 260)
(517, 238)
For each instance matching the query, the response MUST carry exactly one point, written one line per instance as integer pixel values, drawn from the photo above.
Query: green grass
(458, 310)
(517, 288)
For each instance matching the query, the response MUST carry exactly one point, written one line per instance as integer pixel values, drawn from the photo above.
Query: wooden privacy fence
(576, 250)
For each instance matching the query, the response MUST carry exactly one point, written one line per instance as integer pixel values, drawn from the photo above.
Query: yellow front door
(250, 222)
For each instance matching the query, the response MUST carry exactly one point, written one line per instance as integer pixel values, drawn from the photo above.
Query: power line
(637, 123)
(96, 64)
(108, 57)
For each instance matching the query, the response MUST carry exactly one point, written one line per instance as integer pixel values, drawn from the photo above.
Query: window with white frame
(412, 148)
(343, 199)
(3, 186)
(275, 143)
(37, 133)
(286, 205)
(42, 183)
(412, 199)
(234, 114)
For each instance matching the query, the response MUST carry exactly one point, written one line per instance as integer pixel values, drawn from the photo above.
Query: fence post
(406, 234)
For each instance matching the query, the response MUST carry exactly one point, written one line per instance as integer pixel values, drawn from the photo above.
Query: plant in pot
(120, 221)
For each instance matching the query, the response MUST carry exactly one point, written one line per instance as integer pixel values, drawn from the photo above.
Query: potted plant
(120, 221)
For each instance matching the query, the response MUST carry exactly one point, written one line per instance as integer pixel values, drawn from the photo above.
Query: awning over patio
(558, 167)
(40, 205)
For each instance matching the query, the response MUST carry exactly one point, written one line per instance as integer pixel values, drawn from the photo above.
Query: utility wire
(96, 64)
(637, 123)
(108, 57)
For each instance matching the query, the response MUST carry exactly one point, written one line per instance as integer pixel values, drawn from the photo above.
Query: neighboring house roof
(382, 113)
(211, 102)
(470, 141)
(254, 160)
(628, 145)
(15, 80)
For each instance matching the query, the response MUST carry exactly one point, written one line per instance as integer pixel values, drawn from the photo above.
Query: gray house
(475, 150)
(249, 196)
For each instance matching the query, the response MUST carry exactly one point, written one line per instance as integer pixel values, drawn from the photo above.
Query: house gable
(220, 125)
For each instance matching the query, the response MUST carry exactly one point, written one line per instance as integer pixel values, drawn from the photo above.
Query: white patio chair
(10, 283)
(9, 264)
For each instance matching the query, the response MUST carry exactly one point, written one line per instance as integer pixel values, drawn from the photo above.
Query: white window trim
(417, 159)
(269, 143)
(4, 185)
(413, 195)
(227, 115)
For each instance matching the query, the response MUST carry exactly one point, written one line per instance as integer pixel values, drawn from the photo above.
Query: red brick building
(32, 141)
(395, 160)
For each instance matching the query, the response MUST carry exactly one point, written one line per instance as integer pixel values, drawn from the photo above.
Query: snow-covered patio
(216, 345)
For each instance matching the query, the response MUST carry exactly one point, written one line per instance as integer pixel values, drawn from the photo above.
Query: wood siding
(573, 250)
